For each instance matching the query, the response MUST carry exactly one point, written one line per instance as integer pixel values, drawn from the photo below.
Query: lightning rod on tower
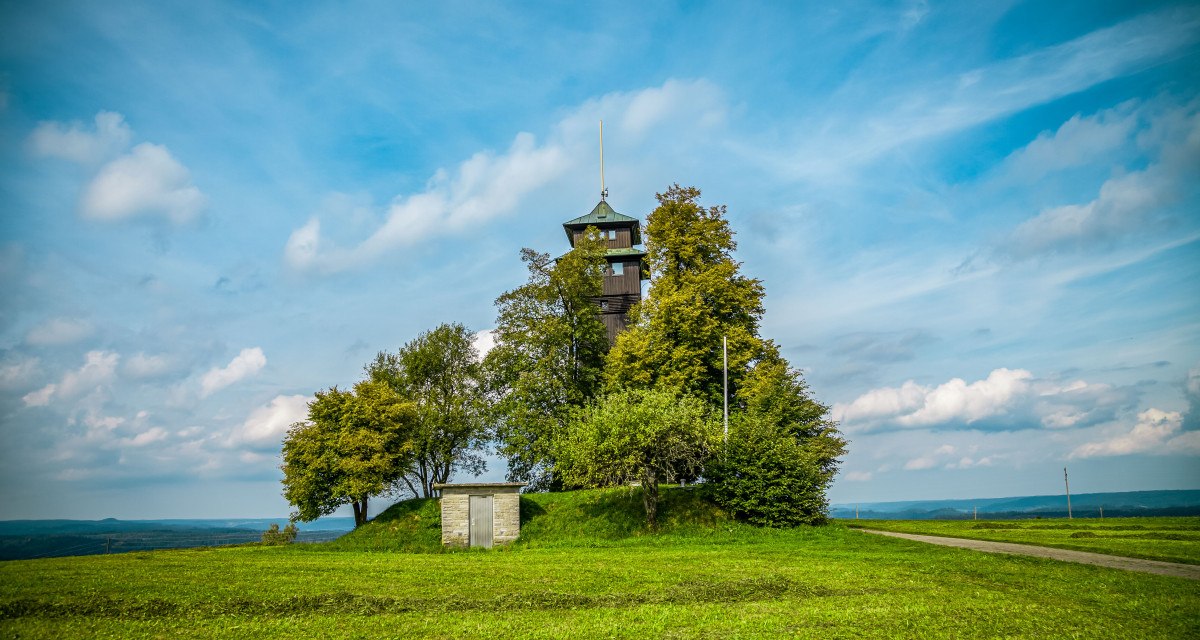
(603, 189)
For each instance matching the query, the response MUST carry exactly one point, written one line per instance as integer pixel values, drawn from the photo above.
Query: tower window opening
(618, 268)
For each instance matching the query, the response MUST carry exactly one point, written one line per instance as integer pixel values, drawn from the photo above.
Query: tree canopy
(353, 445)
(697, 296)
(782, 451)
(781, 454)
(440, 373)
(548, 357)
(637, 435)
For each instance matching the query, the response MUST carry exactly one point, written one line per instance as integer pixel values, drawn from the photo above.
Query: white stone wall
(456, 512)
(456, 518)
(506, 517)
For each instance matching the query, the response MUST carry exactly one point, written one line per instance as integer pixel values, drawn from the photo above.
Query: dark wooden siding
(614, 323)
(622, 238)
(621, 241)
(629, 282)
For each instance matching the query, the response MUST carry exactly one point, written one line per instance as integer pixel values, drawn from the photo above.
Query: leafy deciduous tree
(439, 371)
(783, 452)
(644, 435)
(549, 355)
(697, 296)
(355, 444)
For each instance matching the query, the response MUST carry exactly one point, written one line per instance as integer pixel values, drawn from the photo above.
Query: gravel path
(1175, 569)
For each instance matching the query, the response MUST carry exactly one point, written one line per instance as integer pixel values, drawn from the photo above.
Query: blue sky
(978, 224)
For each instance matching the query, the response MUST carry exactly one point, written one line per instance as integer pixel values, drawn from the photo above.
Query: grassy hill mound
(571, 518)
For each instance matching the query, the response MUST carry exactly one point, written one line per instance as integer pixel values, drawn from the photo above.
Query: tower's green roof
(601, 217)
(602, 214)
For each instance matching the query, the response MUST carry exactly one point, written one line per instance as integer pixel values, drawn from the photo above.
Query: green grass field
(1168, 539)
(586, 568)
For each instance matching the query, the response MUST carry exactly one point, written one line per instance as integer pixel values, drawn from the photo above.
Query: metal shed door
(481, 521)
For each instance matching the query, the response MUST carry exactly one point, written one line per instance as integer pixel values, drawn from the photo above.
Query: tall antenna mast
(603, 189)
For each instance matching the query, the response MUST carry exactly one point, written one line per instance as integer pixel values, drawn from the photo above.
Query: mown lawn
(1168, 539)
(725, 581)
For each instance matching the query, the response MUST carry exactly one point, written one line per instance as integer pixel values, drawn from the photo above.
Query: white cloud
(266, 425)
(1125, 204)
(489, 185)
(41, 397)
(920, 464)
(142, 366)
(96, 422)
(1078, 141)
(246, 363)
(967, 462)
(1155, 432)
(97, 370)
(484, 341)
(147, 181)
(914, 405)
(302, 250)
(1128, 203)
(833, 149)
(17, 374)
(485, 186)
(72, 142)
(1007, 398)
(58, 331)
(859, 476)
(151, 435)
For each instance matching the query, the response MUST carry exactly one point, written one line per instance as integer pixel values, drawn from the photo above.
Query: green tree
(274, 536)
(783, 444)
(697, 296)
(643, 435)
(439, 371)
(353, 445)
(782, 451)
(549, 355)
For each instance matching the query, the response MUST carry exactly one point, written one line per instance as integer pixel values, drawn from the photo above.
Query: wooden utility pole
(1067, 482)
(976, 513)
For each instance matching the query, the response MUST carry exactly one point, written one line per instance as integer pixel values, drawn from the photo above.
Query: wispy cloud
(57, 331)
(1129, 203)
(99, 368)
(491, 185)
(854, 138)
(73, 141)
(246, 363)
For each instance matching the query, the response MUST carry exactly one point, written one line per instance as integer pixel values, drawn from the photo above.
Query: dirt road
(1175, 569)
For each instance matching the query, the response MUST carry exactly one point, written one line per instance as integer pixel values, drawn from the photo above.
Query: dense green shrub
(768, 476)
(273, 535)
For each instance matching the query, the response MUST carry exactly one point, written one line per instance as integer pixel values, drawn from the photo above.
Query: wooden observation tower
(626, 264)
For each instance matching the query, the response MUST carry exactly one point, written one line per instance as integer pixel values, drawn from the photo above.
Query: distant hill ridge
(1125, 503)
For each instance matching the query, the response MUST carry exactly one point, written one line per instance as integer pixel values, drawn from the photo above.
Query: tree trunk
(360, 511)
(650, 497)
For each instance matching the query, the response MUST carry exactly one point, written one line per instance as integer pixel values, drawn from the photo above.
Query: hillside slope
(572, 518)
